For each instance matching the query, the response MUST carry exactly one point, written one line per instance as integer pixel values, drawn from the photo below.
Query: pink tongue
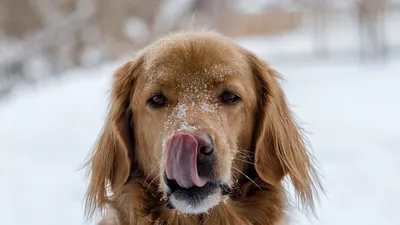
(181, 161)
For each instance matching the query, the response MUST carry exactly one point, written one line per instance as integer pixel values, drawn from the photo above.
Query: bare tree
(27, 21)
(371, 27)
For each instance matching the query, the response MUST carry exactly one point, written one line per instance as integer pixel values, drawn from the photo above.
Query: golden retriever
(198, 132)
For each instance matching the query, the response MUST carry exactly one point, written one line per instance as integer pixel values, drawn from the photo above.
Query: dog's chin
(192, 205)
(195, 200)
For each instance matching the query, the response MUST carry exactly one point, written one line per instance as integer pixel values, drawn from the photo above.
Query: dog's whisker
(234, 176)
(149, 185)
(243, 154)
(155, 168)
(226, 190)
(245, 151)
(247, 177)
(235, 181)
(245, 161)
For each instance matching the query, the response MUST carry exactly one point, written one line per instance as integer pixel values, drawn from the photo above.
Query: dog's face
(185, 112)
(194, 111)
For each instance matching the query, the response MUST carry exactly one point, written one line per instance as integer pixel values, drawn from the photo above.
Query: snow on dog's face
(192, 114)
(194, 111)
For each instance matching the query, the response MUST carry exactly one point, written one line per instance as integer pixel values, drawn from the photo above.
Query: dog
(198, 132)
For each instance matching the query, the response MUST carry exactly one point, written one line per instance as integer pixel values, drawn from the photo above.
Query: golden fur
(262, 141)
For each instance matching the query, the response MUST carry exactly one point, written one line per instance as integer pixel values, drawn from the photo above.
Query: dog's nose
(205, 154)
(205, 143)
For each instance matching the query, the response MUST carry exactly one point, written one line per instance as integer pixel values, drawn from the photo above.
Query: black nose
(206, 157)
(205, 143)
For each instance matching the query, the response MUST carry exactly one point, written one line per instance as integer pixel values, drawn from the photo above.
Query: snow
(350, 111)
(46, 134)
(352, 118)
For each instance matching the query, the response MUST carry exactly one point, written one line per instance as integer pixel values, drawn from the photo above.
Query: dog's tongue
(181, 161)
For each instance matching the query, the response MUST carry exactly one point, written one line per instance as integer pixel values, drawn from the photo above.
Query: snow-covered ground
(352, 115)
(350, 111)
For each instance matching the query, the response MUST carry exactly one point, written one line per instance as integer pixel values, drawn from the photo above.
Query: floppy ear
(110, 165)
(279, 144)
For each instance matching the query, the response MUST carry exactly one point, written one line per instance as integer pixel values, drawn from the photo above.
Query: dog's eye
(229, 98)
(157, 101)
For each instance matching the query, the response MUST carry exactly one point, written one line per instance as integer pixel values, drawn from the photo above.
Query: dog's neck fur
(137, 203)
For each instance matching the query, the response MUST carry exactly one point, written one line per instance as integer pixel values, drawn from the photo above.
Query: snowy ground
(350, 111)
(352, 116)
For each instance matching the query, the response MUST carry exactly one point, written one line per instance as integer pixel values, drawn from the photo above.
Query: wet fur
(278, 149)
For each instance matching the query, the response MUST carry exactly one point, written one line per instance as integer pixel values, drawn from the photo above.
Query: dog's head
(186, 112)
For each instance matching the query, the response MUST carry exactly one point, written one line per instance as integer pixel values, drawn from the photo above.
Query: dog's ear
(279, 144)
(110, 164)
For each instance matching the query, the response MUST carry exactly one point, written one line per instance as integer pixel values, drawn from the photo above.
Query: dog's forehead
(194, 59)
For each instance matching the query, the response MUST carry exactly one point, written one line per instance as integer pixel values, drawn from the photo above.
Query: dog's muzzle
(189, 172)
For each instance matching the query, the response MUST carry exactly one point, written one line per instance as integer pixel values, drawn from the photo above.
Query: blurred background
(340, 60)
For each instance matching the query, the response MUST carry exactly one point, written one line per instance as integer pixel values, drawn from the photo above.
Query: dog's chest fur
(138, 204)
